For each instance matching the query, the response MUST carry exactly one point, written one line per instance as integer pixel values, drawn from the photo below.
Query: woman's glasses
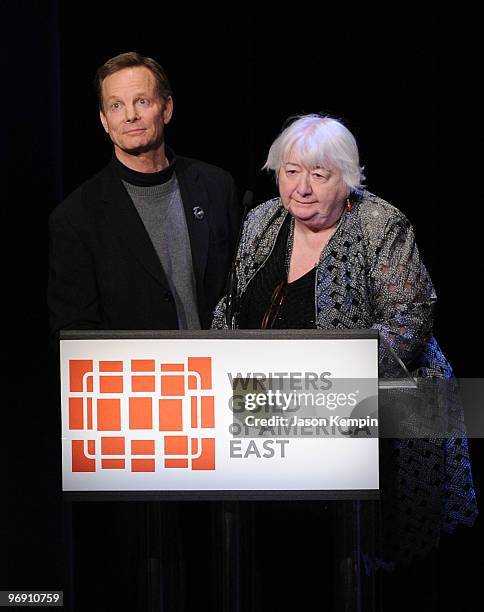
(277, 300)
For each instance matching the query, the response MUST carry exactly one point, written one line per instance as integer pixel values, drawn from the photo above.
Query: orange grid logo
(141, 415)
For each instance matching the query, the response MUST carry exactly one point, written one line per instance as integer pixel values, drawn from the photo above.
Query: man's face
(133, 113)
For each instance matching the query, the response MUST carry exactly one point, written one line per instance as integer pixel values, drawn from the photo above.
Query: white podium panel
(157, 413)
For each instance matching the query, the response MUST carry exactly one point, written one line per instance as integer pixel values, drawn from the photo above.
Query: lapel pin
(198, 212)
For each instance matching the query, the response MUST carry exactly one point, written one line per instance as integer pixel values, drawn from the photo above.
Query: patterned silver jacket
(369, 276)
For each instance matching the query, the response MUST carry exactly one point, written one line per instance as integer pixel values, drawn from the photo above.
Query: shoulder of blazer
(86, 197)
(194, 169)
(105, 184)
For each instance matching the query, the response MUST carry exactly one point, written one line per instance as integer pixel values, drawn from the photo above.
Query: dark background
(404, 80)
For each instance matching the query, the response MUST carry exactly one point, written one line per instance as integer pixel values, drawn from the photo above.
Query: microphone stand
(232, 299)
(231, 519)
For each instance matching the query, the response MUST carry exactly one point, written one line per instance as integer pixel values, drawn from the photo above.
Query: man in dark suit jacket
(147, 242)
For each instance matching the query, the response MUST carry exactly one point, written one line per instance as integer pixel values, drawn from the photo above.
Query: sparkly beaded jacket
(369, 276)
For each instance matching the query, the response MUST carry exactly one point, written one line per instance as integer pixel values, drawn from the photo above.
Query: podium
(231, 417)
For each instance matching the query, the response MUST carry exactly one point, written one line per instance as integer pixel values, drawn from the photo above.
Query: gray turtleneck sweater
(161, 210)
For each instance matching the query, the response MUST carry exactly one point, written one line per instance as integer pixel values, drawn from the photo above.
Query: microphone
(231, 309)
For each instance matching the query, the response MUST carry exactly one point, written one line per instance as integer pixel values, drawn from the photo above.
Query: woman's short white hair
(318, 141)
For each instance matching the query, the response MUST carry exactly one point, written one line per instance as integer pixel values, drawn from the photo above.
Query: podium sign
(217, 413)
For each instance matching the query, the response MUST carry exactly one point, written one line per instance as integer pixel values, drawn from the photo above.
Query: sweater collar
(145, 179)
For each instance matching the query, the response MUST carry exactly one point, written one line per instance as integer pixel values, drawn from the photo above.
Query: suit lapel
(122, 216)
(194, 194)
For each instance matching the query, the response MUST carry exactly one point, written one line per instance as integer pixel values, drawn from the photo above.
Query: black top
(146, 179)
(297, 310)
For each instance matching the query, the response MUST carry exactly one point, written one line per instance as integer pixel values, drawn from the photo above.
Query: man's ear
(168, 110)
(104, 121)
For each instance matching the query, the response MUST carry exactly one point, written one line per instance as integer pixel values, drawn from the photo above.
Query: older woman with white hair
(328, 254)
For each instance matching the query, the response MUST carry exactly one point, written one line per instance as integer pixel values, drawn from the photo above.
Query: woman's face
(314, 197)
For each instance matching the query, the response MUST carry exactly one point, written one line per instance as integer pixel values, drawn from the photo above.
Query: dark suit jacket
(104, 271)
